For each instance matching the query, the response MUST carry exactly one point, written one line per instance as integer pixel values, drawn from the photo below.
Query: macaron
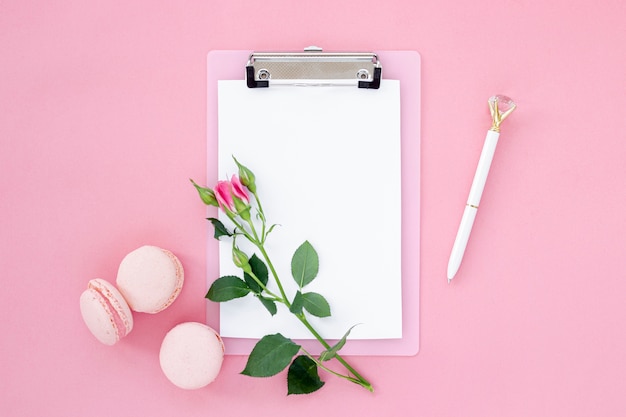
(191, 355)
(150, 279)
(105, 312)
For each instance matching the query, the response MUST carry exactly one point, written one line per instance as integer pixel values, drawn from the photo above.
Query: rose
(238, 189)
(237, 198)
(232, 197)
(224, 196)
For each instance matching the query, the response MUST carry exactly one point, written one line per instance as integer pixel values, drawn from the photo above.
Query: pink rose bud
(240, 198)
(238, 190)
(224, 197)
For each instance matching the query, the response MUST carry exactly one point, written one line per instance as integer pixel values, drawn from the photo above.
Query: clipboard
(403, 66)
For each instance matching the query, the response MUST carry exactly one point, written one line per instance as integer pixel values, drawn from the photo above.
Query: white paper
(327, 163)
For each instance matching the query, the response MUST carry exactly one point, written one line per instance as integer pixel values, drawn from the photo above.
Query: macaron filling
(120, 324)
(179, 280)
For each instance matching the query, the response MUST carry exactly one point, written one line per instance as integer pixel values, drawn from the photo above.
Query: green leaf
(304, 264)
(227, 288)
(302, 377)
(270, 355)
(315, 304)
(260, 270)
(270, 305)
(220, 229)
(297, 303)
(332, 352)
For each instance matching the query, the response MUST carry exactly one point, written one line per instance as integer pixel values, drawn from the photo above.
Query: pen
(500, 107)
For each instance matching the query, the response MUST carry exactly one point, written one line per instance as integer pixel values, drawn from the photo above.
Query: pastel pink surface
(103, 122)
(150, 279)
(191, 355)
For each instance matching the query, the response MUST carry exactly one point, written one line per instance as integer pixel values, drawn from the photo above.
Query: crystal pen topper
(501, 107)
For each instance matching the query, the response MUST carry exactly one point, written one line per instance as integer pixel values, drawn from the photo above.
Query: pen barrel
(460, 242)
(484, 163)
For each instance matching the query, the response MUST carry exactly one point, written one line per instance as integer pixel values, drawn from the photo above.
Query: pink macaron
(150, 279)
(105, 312)
(191, 355)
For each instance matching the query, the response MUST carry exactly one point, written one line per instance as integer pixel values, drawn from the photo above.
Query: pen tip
(451, 272)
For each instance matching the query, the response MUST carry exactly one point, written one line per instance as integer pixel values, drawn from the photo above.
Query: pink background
(102, 122)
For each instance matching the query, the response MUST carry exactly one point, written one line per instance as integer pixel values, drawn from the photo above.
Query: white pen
(498, 114)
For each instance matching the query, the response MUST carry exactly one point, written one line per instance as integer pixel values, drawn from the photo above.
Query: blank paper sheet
(327, 163)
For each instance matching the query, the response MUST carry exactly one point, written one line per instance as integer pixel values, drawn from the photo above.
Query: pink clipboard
(404, 66)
